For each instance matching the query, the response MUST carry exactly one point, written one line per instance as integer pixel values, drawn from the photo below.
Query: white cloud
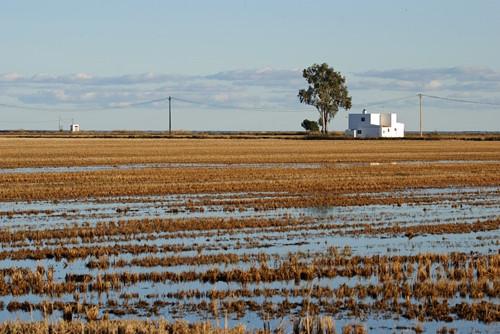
(91, 80)
(434, 84)
(260, 77)
(83, 76)
(265, 87)
(242, 87)
(10, 77)
(264, 70)
(478, 79)
(221, 97)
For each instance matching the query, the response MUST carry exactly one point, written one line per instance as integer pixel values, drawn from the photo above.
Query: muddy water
(465, 204)
(292, 165)
(449, 205)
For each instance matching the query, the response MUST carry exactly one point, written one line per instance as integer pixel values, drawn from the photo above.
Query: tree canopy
(311, 126)
(327, 92)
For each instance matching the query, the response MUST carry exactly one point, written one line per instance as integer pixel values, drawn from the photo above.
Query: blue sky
(243, 60)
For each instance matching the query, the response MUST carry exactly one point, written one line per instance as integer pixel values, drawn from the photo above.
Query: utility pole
(169, 115)
(420, 103)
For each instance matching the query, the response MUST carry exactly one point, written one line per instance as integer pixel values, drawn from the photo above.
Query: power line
(147, 102)
(227, 106)
(461, 100)
(420, 113)
(235, 107)
(127, 105)
(448, 99)
(375, 103)
(23, 107)
(224, 105)
(170, 115)
(122, 106)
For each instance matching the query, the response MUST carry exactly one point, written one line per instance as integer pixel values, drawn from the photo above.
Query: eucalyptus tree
(327, 92)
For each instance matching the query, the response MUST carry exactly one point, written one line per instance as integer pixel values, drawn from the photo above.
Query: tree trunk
(325, 122)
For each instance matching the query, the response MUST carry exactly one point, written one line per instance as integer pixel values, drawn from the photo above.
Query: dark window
(359, 131)
(388, 130)
(362, 119)
(395, 129)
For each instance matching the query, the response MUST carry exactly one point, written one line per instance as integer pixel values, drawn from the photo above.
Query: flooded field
(382, 236)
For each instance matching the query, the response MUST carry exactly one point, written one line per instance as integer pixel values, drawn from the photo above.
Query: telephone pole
(420, 103)
(169, 115)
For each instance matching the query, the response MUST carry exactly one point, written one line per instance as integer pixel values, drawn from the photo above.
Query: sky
(237, 65)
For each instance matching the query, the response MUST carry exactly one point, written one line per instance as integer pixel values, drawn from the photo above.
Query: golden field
(307, 236)
(35, 152)
(254, 165)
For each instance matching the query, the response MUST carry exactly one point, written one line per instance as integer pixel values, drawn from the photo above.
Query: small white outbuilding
(74, 127)
(375, 125)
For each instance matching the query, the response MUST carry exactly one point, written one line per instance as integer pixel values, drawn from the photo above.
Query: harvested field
(29, 152)
(251, 234)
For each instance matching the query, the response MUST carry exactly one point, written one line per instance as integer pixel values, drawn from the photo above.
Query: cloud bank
(453, 79)
(266, 87)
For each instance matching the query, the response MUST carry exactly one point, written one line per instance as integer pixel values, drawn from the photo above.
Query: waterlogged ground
(466, 203)
(408, 253)
(316, 232)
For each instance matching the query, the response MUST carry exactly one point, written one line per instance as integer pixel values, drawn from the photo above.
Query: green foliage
(310, 125)
(327, 92)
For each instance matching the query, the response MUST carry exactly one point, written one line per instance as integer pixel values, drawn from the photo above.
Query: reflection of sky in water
(174, 165)
(477, 203)
(451, 205)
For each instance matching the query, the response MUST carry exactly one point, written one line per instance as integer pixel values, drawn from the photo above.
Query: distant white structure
(74, 127)
(375, 125)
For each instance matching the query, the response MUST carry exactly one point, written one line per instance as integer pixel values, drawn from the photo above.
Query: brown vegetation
(120, 252)
(90, 152)
(121, 327)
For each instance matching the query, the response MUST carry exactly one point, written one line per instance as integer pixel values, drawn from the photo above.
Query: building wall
(385, 119)
(368, 132)
(395, 131)
(354, 121)
(374, 125)
(394, 119)
(374, 119)
(357, 121)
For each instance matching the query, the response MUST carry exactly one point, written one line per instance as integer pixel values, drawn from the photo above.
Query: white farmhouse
(375, 125)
